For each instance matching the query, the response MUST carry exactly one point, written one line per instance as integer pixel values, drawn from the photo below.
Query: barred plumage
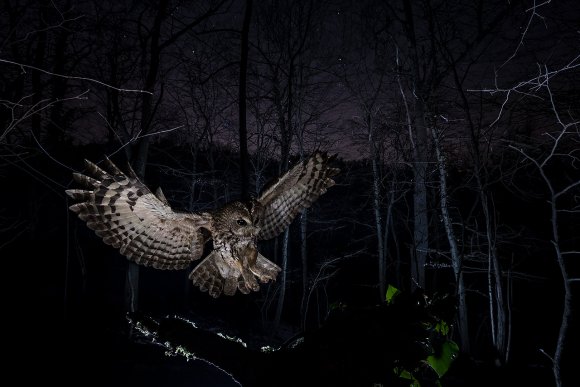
(126, 215)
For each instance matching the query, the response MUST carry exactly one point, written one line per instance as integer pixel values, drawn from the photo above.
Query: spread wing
(127, 216)
(296, 190)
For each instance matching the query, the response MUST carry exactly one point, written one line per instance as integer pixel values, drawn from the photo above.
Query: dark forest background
(455, 125)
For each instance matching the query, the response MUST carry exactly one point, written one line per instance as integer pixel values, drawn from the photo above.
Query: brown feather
(293, 192)
(129, 217)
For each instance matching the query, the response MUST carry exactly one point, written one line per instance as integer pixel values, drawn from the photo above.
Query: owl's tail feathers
(207, 277)
(265, 269)
(214, 276)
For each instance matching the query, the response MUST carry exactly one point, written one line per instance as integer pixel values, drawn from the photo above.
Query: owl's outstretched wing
(296, 190)
(127, 216)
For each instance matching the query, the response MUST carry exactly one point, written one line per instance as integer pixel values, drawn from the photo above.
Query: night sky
(454, 125)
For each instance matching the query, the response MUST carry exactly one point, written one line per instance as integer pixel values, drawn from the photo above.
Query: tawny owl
(126, 215)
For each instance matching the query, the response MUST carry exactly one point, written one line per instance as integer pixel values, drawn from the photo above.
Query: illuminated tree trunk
(244, 158)
(456, 256)
(142, 149)
(418, 132)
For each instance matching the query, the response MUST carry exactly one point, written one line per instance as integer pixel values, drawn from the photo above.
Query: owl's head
(236, 219)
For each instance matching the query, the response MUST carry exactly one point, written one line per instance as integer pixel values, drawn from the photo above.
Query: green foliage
(391, 293)
(439, 351)
(442, 361)
(404, 374)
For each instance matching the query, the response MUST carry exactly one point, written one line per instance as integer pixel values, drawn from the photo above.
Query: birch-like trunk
(375, 161)
(456, 256)
(283, 280)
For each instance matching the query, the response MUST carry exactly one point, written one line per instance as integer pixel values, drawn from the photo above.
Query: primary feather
(127, 216)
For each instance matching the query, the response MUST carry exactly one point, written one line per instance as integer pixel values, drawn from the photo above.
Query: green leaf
(391, 292)
(404, 374)
(442, 328)
(441, 363)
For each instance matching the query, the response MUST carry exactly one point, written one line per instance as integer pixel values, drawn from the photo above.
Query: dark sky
(343, 56)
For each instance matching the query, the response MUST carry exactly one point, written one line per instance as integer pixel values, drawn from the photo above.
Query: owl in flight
(142, 225)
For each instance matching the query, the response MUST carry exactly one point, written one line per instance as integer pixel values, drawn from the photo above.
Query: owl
(128, 216)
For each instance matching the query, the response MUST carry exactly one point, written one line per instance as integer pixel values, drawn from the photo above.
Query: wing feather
(126, 215)
(293, 192)
(211, 276)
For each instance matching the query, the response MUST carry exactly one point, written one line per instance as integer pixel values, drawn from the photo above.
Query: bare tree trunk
(555, 194)
(39, 57)
(456, 256)
(286, 137)
(567, 307)
(56, 125)
(397, 258)
(386, 237)
(244, 158)
(377, 207)
(499, 324)
(498, 318)
(304, 257)
(142, 151)
(421, 223)
(420, 214)
(283, 280)
(418, 132)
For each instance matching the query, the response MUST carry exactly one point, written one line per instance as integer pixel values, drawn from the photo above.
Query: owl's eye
(242, 222)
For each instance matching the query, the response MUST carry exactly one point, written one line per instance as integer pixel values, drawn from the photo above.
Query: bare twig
(34, 109)
(25, 66)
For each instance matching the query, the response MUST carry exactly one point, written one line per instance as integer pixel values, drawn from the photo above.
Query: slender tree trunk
(244, 158)
(456, 257)
(567, 307)
(304, 257)
(420, 215)
(420, 148)
(398, 273)
(283, 280)
(37, 87)
(387, 235)
(500, 333)
(286, 134)
(377, 208)
(421, 221)
(142, 151)
(499, 323)
(56, 124)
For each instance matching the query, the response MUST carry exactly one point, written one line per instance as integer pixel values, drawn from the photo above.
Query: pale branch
(139, 136)
(533, 9)
(526, 156)
(407, 114)
(566, 189)
(533, 85)
(25, 66)
(48, 28)
(570, 211)
(110, 126)
(34, 109)
(547, 355)
(48, 154)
